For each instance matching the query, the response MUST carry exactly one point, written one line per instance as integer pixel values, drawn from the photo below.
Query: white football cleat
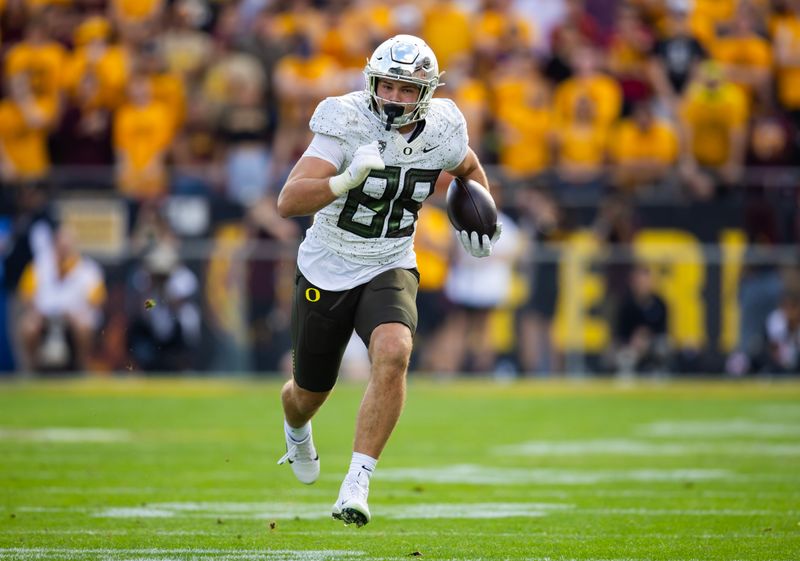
(352, 508)
(303, 458)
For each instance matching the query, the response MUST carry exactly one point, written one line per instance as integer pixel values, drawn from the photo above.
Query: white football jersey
(371, 228)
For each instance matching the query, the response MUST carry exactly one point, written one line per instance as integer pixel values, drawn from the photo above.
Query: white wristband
(340, 184)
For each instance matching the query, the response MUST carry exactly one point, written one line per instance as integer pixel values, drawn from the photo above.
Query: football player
(374, 159)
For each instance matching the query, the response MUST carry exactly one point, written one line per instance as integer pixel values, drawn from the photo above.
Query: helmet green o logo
(312, 294)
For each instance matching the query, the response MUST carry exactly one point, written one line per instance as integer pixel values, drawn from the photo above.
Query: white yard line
(680, 493)
(67, 435)
(472, 510)
(35, 554)
(533, 494)
(161, 554)
(550, 536)
(540, 535)
(625, 447)
(222, 492)
(779, 411)
(686, 512)
(253, 511)
(91, 489)
(109, 532)
(283, 511)
(719, 429)
(476, 474)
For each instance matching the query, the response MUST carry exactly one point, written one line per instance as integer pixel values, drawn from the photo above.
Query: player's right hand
(366, 158)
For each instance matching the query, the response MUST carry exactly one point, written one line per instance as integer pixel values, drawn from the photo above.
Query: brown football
(470, 207)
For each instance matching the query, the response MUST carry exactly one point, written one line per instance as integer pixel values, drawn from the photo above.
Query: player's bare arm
(470, 168)
(307, 189)
(315, 186)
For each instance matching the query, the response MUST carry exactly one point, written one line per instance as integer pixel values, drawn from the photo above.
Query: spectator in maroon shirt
(578, 19)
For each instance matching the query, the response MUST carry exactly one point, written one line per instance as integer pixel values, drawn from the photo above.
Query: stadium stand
(657, 135)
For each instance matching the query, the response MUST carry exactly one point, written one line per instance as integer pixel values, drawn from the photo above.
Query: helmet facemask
(403, 58)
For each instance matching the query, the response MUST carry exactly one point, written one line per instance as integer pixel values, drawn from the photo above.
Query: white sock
(361, 463)
(297, 434)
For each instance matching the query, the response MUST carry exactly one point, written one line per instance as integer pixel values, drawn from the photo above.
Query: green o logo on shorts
(312, 294)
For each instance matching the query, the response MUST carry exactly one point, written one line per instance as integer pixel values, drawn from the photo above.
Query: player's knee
(306, 400)
(391, 344)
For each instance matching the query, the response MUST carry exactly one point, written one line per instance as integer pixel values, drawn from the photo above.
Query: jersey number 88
(383, 205)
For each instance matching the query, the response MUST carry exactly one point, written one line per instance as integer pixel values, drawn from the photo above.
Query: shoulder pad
(447, 112)
(334, 116)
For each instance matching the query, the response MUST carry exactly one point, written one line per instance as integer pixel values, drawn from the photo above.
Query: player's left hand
(478, 246)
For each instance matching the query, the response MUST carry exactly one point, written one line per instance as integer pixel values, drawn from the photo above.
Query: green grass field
(167, 470)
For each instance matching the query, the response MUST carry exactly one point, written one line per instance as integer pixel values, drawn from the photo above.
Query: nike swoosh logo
(429, 148)
(314, 460)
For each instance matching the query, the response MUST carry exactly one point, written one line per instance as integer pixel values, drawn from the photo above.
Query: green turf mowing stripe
(557, 471)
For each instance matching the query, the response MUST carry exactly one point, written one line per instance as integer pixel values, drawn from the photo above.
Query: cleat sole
(351, 516)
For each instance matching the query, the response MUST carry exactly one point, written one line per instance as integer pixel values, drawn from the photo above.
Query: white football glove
(476, 246)
(365, 159)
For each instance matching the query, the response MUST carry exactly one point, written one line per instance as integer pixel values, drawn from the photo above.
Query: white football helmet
(408, 59)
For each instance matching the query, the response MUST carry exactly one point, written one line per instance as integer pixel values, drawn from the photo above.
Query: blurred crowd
(591, 108)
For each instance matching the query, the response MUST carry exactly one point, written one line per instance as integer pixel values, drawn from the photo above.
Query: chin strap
(393, 111)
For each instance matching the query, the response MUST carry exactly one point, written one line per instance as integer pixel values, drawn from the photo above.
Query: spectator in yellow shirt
(371, 18)
(525, 141)
(643, 148)
(524, 120)
(516, 81)
(745, 56)
(714, 116)
(344, 42)
(446, 28)
(581, 153)
(25, 122)
(302, 17)
(602, 90)
(41, 58)
(94, 55)
(135, 12)
(720, 11)
(787, 60)
(499, 30)
(142, 131)
(166, 87)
